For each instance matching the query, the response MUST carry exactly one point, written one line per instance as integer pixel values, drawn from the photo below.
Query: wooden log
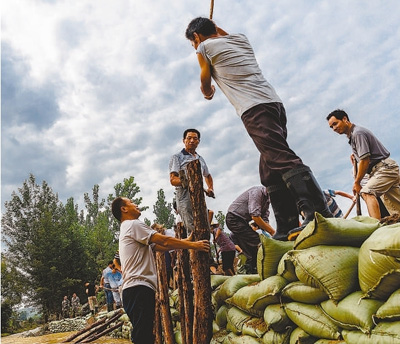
(200, 261)
(103, 333)
(185, 289)
(163, 299)
(157, 328)
(101, 327)
(87, 328)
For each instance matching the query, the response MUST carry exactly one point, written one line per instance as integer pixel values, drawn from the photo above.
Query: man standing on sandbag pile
(253, 204)
(229, 59)
(137, 241)
(373, 161)
(177, 176)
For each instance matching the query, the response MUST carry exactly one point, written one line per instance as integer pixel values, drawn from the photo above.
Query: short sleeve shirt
(136, 254)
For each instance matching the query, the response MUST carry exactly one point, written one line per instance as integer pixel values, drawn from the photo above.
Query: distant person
(229, 59)
(372, 159)
(253, 204)
(75, 305)
(114, 277)
(137, 242)
(65, 307)
(105, 285)
(226, 248)
(177, 174)
(91, 290)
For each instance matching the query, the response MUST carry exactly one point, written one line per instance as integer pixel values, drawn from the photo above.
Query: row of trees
(52, 248)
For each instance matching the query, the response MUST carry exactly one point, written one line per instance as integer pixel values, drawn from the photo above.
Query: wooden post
(157, 328)
(163, 299)
(200, 261)
(185, 289)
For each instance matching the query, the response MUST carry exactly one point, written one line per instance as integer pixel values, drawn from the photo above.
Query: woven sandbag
(286, 268)
(232, 285)
(255, 327)
(383, 333)
(276, 318)
(220, 317)
(232, 338)
(217, 280)
(269, 254)
(277, 337)
(312, 319)
(352, 313)
(390, 310)
(299, 336)
(328, 341)
(219, 337)
(336, 232)
(178, 337)
(215, 327)
(379, 273)
(332, 269)
(298, 291)
(236, 318)
(254, 298)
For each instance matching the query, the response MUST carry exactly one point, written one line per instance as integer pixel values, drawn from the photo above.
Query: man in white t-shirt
(137, 241)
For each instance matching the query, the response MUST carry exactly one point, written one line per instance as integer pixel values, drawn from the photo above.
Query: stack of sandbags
(339, 282)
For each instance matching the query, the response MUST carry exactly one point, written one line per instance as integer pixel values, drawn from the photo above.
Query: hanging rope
(211, 8)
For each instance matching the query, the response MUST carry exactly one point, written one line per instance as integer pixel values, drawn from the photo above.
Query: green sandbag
(286, 268)
(235, 319)
(221, 315)
(273, 337)
(312, 319)
(353, 312)
(336, 231)
(269, 254)
(329, 341)
(232, 285)
(378, 273)
(219, 337)
(254, 298)
(298, 291)
(299, 336)
(178, 337)
(255, 327)
(383, 333)
(390, 310)
(332, 269)
(232, 338)
(215, 327)
(276, 318)
(217, 280)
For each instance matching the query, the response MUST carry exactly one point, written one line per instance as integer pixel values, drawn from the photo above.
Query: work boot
(285, 210)
(110, 307)
(308, 195)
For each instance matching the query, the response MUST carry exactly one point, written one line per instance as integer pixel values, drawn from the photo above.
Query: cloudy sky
(97, 91)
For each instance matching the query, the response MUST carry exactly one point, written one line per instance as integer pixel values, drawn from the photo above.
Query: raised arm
(166, 243)
(206, 88)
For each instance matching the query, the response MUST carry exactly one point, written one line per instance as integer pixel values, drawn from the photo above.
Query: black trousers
(139, 305)
(266, 125)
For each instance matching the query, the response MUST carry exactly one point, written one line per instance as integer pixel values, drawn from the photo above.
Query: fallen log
(87, 328)
(108, 330)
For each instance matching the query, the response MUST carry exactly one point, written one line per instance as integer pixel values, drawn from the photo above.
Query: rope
(211, 8)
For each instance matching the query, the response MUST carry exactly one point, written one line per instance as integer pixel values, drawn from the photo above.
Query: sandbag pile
(339, 282)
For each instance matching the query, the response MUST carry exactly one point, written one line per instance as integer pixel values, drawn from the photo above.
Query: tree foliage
(53, 249)
(163, 211)
(220, 218)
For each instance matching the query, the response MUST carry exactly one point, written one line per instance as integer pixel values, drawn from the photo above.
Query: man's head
(191, 139)
(124, 209)
(199, 29)
(110, 263)
(339, 121)
(74, 294)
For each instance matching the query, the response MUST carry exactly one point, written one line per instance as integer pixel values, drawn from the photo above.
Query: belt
(375, 165)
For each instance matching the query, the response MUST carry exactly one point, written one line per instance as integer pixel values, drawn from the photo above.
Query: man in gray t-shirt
(229, 59)
(177, 167)
(383, 178)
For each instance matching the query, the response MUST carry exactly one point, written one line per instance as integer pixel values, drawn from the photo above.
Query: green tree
(163, 211)
(220, 218)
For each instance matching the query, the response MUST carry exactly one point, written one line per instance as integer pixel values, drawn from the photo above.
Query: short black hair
(116, 207)
(200, 25)
(339, 114)
(191, 131)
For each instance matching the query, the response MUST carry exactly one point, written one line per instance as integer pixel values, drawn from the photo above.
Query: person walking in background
(105, 285)
(226, 247)
(65, 307)
(372, 159)
(75, 305)
(229, 59)
(91, 290)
